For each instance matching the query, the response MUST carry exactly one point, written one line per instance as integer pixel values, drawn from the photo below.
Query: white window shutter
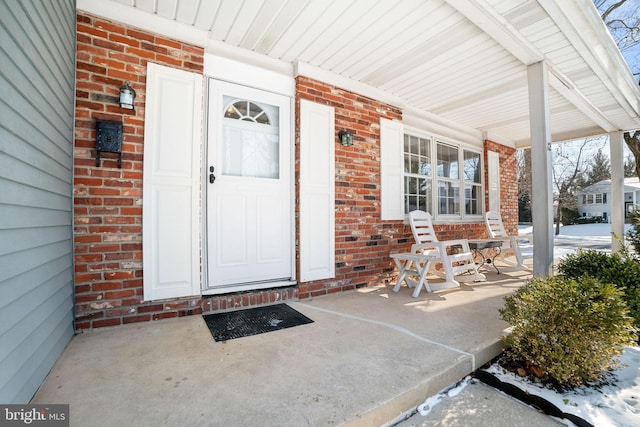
(391, 166)
(171, 183)
(493, 168)
(317, 191)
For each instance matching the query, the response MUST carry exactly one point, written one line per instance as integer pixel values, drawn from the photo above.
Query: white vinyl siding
(36, 187)
(317, 191)
(171, 188)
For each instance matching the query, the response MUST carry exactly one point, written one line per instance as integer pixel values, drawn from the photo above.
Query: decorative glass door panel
(248, 190)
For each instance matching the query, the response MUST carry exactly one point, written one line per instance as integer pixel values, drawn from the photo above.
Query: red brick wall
(508, 184)
(108, 200)
(363, 240)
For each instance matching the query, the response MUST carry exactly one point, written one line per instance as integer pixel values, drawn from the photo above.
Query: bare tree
(568, 167)
(633, 142)
(622, 17)
(524, 184)
(630, 166)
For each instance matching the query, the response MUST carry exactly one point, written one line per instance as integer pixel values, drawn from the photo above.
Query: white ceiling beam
(575, 97)
(498, 28)
(583, 27)
(494, 24)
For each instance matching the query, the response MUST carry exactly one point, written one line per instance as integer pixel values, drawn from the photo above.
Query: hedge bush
(633, 235)
(619, 269)
(567, 331)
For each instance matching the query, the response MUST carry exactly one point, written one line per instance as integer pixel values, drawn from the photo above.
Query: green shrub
(633, 235)
(569, 216)
(619, 269)
(568, 330)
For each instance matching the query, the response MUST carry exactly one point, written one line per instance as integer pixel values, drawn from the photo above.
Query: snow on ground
(614, 404)
(573, 237)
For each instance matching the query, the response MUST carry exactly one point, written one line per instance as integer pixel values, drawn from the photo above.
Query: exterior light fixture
(127, 95)
(345, 137)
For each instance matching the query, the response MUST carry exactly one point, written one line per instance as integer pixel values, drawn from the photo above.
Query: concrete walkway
(479, 405)
(369, 357)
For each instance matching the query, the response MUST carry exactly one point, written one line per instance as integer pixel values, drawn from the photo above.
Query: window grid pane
(447, 157)
(417, 194)
(472, 199)
(448, 198)
(417, 170)
(459, 178)
(472, 171)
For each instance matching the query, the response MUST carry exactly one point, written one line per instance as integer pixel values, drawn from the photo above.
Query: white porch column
(616, 143)
(542, 197)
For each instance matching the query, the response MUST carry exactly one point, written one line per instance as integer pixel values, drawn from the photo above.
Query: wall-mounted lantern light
(127, 95)
(345, 137)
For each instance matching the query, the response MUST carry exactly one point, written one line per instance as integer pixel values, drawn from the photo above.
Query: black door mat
(253, 321)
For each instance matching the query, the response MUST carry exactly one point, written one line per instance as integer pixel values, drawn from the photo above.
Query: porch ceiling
(462, 60)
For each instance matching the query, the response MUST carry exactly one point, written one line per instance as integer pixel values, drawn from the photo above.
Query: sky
(632, 56)
(629, 8)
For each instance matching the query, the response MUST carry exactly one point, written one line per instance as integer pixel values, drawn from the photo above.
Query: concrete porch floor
(369, 357)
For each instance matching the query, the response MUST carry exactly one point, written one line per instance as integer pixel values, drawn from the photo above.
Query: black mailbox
(109, 139)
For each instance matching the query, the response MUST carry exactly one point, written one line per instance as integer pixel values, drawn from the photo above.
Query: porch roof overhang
(462, 62)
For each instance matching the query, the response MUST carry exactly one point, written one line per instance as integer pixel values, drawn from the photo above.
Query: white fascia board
(264, 62)
(442, 127)
(250, 72)
(317, 73)
(497, 27)
(168, 28)
(581, 24)
(411, 116)
(494, 137)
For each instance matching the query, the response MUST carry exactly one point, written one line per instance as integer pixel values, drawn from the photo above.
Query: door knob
(212, 177)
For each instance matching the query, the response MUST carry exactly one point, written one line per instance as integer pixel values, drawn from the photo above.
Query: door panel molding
(249, 235)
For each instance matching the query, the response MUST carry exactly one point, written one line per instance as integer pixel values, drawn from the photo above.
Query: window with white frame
(417, 174)
(442, 178)
(472, 175)
(596, 198)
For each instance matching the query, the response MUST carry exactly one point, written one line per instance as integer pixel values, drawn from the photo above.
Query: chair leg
(516, 251)
(402, 272)
(422, 269)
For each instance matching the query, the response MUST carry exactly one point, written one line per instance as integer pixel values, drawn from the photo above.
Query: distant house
(595, 200)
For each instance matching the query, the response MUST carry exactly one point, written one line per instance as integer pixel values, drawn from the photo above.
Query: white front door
(248, 188)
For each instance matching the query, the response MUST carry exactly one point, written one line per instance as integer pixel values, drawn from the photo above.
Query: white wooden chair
(454, 255)
(511, 245)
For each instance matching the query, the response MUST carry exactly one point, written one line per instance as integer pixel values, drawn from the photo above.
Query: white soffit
(459, 62)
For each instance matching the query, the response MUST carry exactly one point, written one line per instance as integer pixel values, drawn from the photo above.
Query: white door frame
(280, 81)
(205, 183)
